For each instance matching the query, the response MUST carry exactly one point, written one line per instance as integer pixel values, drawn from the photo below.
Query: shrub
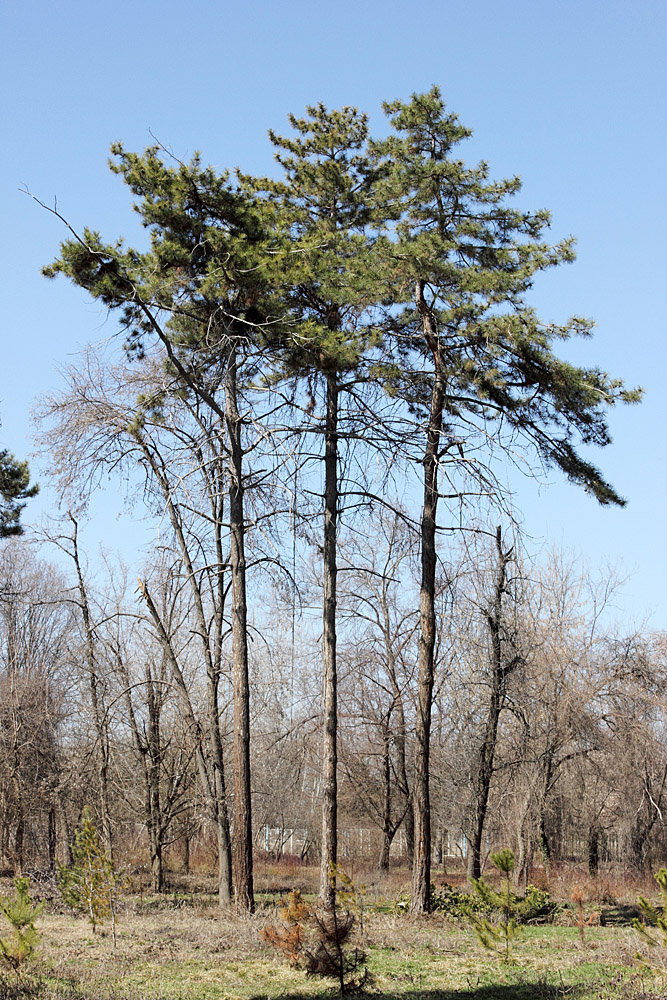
(318, 940)
(90, 885)
(654, 916)
(21, 913)
(459, 904)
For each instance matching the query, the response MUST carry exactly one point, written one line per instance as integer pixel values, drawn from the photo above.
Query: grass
(180, 946)
(176, 953)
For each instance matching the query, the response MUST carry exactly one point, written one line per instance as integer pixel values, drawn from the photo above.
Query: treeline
(324, 377)
(573, 750)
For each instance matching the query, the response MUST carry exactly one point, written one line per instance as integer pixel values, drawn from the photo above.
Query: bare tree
(35, 631)
(379, 627)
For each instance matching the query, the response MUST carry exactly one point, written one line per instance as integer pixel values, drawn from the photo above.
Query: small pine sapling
(496, 937)
(288, 937)
(318, 940)
(21, 913)
(581, 921)
(90, 885)
(654, 917)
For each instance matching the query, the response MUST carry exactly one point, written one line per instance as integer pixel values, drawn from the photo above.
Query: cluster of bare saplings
(558, 751)
(325, 381)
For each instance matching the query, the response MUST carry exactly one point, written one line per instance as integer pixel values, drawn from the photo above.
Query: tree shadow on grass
(514, 991)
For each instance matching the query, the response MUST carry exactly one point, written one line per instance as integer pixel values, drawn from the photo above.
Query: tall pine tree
(200, 292)
(477, 364)
(326, 203)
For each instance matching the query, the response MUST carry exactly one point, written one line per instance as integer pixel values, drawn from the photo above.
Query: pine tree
(472, 359)
(326, 203)
(497, 937)
(200, 292)
(15, 489)
(21, 913)
(90, 885)
(652, 928)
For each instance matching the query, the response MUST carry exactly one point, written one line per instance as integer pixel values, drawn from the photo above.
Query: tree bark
(52, 838)
(100, 718)
(421, 868)
(329, 851)
(500, 670)
(242, 847)
(388, 827)
(593, 850)
(208, 758)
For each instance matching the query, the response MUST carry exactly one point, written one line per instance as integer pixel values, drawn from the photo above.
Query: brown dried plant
(317, 940)
(289, 937)
(581, 921)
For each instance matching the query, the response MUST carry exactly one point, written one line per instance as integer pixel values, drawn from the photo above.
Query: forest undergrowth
(182, 946)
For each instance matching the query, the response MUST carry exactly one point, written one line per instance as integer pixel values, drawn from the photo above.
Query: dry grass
(195, 953)
(182, 947)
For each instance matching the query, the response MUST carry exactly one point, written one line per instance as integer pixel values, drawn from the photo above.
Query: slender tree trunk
(99, 715)
(501, 667)
(208, 756)
(329, 852)
(482, 783)
(421, 867)
(593, 850)
(388, 828)
(186, 853)
(66, 837)
(400, 740)
(19, 842)
(219, 794)
(52, 839)
(243, 880)
(158, 821)
(542, 835)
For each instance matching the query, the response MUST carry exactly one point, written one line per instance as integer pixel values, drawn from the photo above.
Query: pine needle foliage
(497, 937)
(14, 488)
(90, 885)
(317, 939)
(21, 913)
(654, 917)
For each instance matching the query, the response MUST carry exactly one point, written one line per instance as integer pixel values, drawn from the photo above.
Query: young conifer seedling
(21, 913)
(90, 885)
(497, 937)
(654, 917)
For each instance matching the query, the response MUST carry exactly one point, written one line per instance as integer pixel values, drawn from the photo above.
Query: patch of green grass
(197, 954)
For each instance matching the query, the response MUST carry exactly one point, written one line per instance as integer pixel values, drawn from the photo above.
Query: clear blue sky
(570, 95)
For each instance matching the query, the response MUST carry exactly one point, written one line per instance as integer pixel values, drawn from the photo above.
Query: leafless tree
(35, 634)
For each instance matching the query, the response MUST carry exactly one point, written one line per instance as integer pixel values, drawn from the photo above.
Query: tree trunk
(100, 718)
(501, 667)
(482, 781)
(421, 868)
(593, 851)
(329, 849)
(186, 853)
(243, 880)
(208, 753)
(52, 839)
(388, 827)
(399, 739)
(19, 841)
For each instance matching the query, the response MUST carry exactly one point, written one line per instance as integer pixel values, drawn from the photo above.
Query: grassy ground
(192, 953)
(182, 947)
